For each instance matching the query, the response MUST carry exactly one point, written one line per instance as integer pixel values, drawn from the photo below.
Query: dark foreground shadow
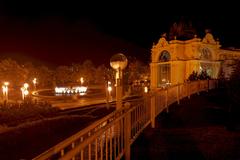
(195, 130)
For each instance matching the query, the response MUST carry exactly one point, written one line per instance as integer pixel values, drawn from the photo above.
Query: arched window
(164, 56)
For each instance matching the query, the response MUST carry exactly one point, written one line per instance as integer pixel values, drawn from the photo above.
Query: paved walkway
(195, 129)
(79, 103)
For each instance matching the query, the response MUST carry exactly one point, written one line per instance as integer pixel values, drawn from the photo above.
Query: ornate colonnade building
(174, 61)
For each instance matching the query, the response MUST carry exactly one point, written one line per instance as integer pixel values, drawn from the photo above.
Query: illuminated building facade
(174, 61)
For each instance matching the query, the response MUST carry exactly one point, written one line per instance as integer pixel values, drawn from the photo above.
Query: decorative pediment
(161, 43)
(209, 38)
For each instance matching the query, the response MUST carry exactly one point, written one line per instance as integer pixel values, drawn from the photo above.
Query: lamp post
(24, 90)
(118, 62)
(35, 83)
(5, 90)
(109, 88)
(145, 89)
(81, 80)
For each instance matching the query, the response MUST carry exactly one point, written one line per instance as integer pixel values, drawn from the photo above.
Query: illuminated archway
(164, 56)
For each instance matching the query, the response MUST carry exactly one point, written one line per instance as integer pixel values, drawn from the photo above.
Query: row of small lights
(79, 89)
(24, 89)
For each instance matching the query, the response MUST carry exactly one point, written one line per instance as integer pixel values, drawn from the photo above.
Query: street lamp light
(5, 90)
(109, 88)
(24, 90)
(145, 89)
(35, 83)
(25, 85)
(118, 62)
(81, 80)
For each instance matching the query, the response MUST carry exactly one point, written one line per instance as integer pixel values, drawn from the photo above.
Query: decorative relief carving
(205, 53)
(161, 43)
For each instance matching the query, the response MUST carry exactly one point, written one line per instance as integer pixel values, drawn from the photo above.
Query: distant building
(173, 61)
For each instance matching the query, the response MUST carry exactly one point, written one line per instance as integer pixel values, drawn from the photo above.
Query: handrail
(112, 135)
(74, 137)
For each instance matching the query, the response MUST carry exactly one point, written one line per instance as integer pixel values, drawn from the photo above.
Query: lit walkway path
(79, 103)
(195, 129)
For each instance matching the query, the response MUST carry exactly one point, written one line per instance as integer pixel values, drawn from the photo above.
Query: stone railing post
(153, 109)
(127, 131)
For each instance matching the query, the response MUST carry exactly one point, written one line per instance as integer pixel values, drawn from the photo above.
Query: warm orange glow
(5, 90)
(26, 85)
(81, 80)
(24, 90)
(146, 89)
(109, 89)
(117, 74)
(34, 81)
(118, 61)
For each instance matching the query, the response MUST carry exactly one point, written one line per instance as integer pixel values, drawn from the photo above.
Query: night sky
(61, 33)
